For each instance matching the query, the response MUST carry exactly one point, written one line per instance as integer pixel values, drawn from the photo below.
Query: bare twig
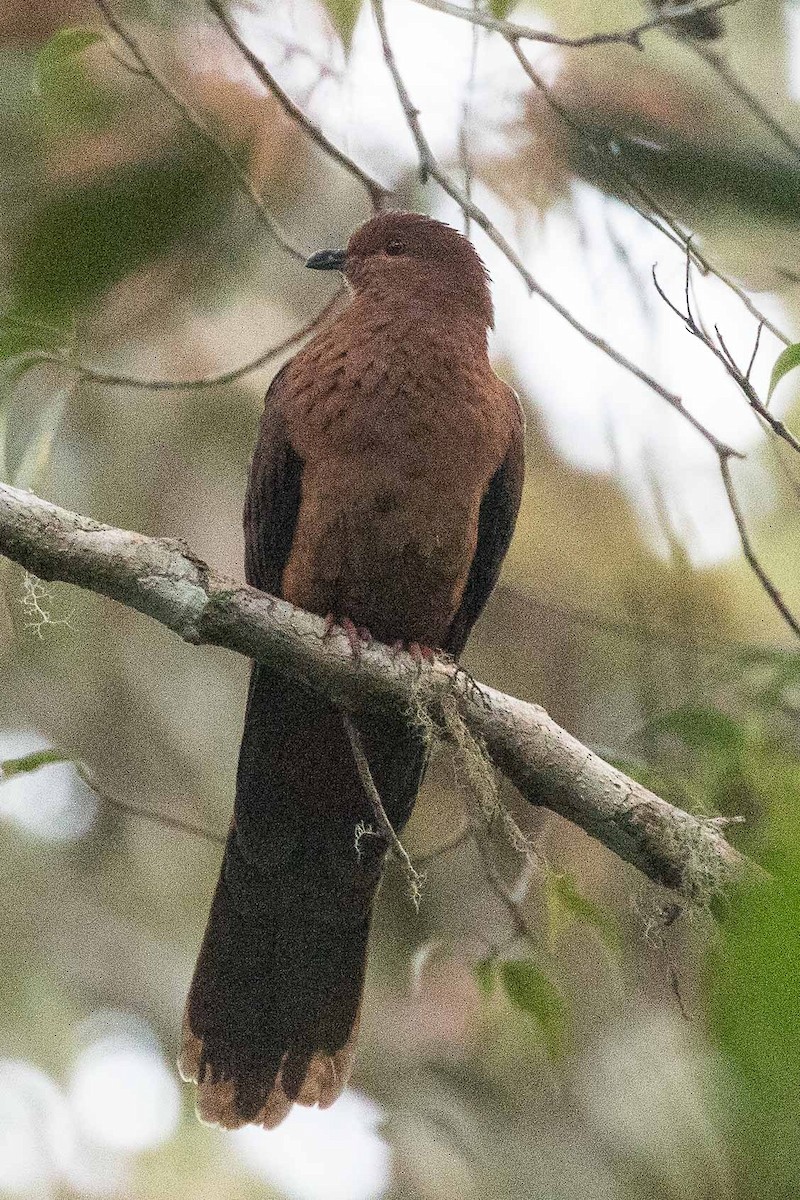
(754, 354)
(640, 199)
(717, 63)
(147, 814)
(749, 552)
(652, 635)
(723, 354)
(453, 843)
(430, 167)
(378, 194)
(385, 827)
(202, 130)
(549, 767)
(630, 37)
(753, 399)
(465, 123)
(110, 379)
(133, 810)
(510, 898)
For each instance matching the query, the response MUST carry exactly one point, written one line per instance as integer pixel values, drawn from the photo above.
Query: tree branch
(639, 198)
(430, 166)
(385, 830)
(750, 554)
(164, 580)
(147, 68)
(89, 374)
(629, 37)
(378, 194)
(748, 97)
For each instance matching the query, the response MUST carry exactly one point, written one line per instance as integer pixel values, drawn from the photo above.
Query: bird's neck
(439, 325)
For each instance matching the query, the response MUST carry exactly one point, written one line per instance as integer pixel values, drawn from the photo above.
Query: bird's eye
(395, 248)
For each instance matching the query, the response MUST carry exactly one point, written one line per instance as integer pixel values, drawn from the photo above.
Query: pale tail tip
(325, 1081)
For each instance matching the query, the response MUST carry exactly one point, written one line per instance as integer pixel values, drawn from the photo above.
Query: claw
(330, 625)
(418, 652)
(357, 636)
(421, 654)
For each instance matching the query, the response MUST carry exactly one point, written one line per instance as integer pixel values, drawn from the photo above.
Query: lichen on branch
(163, 579)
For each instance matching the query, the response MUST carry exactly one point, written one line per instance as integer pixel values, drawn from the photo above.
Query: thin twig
(754, 355)
(629, 37)
(749, 552)
(465, 124)
(161, 819)
(723, 354)
(429, 856)
(203, 131)
(128, 66)
(754, 400)
(148, 814)
(511, 899)
(430, 167)
(740, 89)
(133, 810)
(378, 194)
(110, 379)
(414, 878)
(646, 634)
(648, 206)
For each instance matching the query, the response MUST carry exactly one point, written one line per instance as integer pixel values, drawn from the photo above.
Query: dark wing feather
(496, 520)
(273, 498)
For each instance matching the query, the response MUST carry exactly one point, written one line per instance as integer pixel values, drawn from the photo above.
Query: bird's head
(406, 257)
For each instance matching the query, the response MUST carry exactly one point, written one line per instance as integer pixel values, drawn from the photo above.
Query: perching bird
(384, 490)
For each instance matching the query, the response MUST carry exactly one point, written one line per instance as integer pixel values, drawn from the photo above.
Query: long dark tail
(273, 1007)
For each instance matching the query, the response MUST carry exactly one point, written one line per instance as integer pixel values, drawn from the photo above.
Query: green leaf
(20, 334)
(80, 241)
(486, 976)
(752, 1016)
(54, 62)
(30, 762)
(565, 901)
(501, 8)
(343, 15)
(69, 97)
(532, 992)
(703, 729)
(787, 361)
(39, 449)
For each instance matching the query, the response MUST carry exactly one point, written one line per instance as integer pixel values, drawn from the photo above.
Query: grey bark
(164, 580)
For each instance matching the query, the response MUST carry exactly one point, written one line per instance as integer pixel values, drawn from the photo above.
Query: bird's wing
(496, 520)
(273, 498)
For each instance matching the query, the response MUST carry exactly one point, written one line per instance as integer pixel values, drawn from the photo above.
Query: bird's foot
(357, 635)
(420, 654)
(330, 625)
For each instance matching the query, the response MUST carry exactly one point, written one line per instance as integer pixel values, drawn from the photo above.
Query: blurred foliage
(531, 991)
(87, 239)
(65, 90)
(344, 14)
(621, 1050)
(10, 767)
(502, 8)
